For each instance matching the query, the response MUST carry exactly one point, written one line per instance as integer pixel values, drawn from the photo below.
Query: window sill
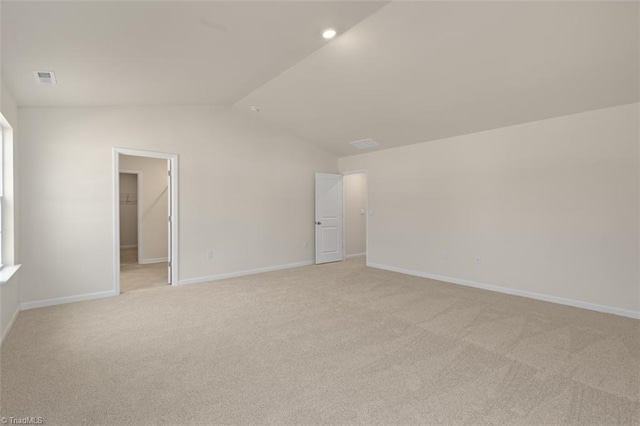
(7, 272)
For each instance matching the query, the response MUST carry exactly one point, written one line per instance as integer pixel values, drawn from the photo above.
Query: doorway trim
(366, 213)
(138, 174)
(173, 159)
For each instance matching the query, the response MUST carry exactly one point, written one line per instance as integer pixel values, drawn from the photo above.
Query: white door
(169, 221)
(329, 221)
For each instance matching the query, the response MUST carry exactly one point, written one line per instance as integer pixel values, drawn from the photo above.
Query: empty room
(320, 212)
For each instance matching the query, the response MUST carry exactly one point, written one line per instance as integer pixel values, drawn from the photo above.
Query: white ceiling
(419, 71)
(403, 73)
(160, 52)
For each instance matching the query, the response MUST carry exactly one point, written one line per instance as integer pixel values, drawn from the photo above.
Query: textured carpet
(329, 344)
(134, 276)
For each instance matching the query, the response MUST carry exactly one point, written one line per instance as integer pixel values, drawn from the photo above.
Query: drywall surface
(355, 202)
(129, 210)
(548, 207)
(245, 192)
(155, 206)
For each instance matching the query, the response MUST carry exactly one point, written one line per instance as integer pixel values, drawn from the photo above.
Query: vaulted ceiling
(400, 72)
(160, 52)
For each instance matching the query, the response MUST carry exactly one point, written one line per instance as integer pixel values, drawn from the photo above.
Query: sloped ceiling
(400, 73)
(418, 71)
(160, 52)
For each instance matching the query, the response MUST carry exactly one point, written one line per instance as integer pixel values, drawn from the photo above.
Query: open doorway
(130, 206)
(355, 215)
(145, 185)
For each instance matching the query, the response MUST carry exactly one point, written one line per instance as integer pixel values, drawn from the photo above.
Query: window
(1, 193)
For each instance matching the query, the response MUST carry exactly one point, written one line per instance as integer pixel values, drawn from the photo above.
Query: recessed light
(254, 108)
(329, 33)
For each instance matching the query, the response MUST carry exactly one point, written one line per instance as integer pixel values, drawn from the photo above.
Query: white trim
(143, 153)
(129, 247)
(7, 272)
(351, 256)
(210, 278)
(514, 292)
(5, 333)
(4, 123)
(173, 159)
(153, 260)
(69, 299)
(116, 221)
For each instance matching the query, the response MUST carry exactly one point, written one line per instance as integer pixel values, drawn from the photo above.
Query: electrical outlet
(446, 255)
(478, 258)
(209, 254)
(305, 245)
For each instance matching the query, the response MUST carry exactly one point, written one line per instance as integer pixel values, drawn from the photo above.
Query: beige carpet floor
(328, 344)
(134, 276)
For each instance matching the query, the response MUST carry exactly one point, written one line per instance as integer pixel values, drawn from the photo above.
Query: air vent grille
(364, 144)
(45, 77)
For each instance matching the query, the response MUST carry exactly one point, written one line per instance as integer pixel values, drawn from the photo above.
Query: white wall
(246, 192)
(551, 207)
(355, 203)
(128, 210)
(10, 290)
(155, 208)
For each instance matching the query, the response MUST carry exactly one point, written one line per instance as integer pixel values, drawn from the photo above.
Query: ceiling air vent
(45, 77)
(364, 144)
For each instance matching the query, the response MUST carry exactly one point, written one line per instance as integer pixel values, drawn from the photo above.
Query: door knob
(318, 223)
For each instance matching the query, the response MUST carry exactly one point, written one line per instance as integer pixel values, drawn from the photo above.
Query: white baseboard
(514, 292)
(70, 299)
(5, 333)
(351, 256)
(153, 260)
(128, 247)
(199, 280)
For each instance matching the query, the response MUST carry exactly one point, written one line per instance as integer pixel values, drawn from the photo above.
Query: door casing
(174, 255)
